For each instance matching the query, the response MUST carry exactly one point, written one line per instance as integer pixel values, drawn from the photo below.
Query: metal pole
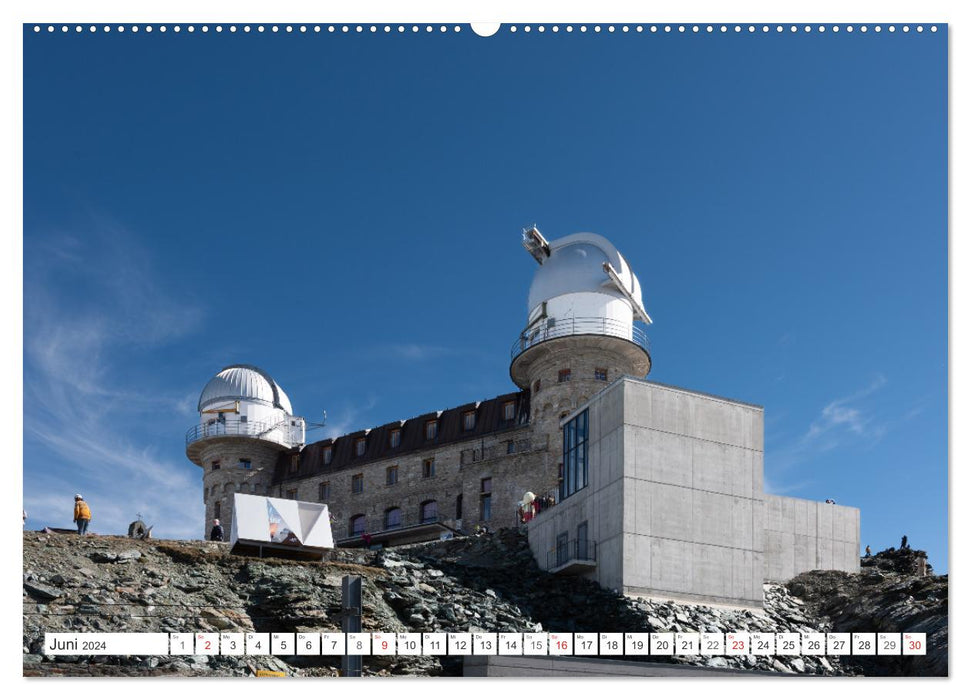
(351, 622)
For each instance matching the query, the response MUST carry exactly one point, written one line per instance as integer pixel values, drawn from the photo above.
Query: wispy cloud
(842, 415)
(413, 352)
(91, 299)
(841, 422)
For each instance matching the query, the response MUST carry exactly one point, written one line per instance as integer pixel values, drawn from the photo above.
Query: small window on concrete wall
(357, 483)
(563, 375)
(428, 468)
(509, 410)
(217, 510)
(215, 464)
(600, 374)
(323, 491)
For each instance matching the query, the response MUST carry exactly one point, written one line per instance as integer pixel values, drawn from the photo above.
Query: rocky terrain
(487, 583)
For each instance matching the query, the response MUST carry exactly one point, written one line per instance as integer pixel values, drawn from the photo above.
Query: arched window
(392, 518)
(357, 525)
(429, 512)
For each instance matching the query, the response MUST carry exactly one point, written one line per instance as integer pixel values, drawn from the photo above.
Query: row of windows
(390, 478)
(427, 512)
(565, 375)
(244, 463)
(431, 432)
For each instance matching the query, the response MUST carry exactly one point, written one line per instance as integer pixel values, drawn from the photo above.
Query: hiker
(82, 514)
(216, 535)
(867, 551)
(903, 542)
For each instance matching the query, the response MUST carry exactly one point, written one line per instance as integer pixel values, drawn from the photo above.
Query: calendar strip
(632, 644)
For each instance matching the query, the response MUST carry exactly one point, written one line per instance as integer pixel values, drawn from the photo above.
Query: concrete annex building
(658, 489)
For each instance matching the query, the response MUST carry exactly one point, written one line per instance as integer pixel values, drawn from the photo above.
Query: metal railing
(573, 550)
(380, 526)
(232, 427)
(560, 328)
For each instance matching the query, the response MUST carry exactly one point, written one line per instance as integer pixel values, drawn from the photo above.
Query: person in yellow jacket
(82, 514)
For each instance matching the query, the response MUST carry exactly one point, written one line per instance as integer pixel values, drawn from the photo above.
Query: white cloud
(89, 300)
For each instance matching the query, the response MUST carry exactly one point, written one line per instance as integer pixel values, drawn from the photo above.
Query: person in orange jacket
(82, 514)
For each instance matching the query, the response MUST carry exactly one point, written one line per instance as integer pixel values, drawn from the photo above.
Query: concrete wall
(803, 535)
(674, 495)
(692, 474)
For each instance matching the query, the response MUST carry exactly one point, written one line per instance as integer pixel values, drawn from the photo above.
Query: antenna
(321, 424)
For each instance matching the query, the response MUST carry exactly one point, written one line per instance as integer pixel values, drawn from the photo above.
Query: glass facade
(575, 471)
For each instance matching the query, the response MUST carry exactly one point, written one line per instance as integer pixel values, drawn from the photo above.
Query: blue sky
(344, 211)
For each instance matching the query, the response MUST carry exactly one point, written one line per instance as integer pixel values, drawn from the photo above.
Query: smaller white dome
(244, 383)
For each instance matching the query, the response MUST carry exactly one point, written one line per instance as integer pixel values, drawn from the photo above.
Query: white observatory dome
(576, 266)
(244, 383)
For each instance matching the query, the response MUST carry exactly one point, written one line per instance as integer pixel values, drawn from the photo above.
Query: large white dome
(244, 383)
(576, 264)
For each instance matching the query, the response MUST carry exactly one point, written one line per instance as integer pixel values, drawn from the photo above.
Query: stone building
(648, 489)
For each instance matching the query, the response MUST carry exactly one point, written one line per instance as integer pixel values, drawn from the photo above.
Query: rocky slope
(487, 583)
(887, 595)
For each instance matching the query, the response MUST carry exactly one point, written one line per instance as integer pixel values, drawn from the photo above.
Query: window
(574, 455)
(582, 548)
(328, 454)
(292, 495)
(600, 374)
(215, 464)
(294, 464)
(245, 463)
(509, 410)
(242, 419)
(357, 483)
(429, 512)
(217, 510)
(468, 420)
(536, 386)
(431, 429)
(394, 440)
(562, 548)
(357, 525)
(564, 375)
(510, 447)
(360, 445)
(392, 518)
(458, 507)
(323, 491)
(427, 468)
(391, 474)
(485, 499)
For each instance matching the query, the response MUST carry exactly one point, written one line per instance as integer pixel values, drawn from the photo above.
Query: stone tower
(245, 422)
(580, 333)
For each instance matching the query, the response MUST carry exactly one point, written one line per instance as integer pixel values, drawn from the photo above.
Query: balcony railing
(379, 526)
(571, 551)
(562, 327)
(231, 427)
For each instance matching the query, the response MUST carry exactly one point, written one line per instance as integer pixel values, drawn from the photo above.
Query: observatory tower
(245, 422)
(580, 333)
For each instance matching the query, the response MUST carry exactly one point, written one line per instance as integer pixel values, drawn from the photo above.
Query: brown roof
(488, 420)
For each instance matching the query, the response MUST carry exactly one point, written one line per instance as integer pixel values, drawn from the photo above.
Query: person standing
(867, 551)
(82, 514)
(216, 535)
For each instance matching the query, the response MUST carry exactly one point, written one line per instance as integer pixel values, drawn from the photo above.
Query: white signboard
(280, 521)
